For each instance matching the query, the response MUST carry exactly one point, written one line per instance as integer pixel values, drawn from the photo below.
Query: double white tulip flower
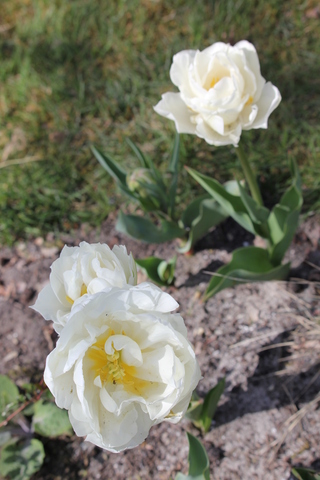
(82, 271)
(221, 93)
(122, 362)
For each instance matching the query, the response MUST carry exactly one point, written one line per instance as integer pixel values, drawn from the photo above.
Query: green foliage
(305, 474)
(21, 457)
(19, 460)
(49, 420)
(145, 230)
(201, 412)
(198, 461)
(284, 218)
(9, 396)
(248, 264)
(200, 215)
(241, 207)
(146, 187)
(277, 227)
(158, 270)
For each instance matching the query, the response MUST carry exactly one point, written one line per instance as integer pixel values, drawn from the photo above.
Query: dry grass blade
(21, 161)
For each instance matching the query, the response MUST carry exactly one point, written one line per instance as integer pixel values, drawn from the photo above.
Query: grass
(89, 71)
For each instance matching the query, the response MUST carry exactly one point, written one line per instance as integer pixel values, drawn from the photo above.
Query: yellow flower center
(82, 292)
(249, 101)
(111, 369)
(214, 81)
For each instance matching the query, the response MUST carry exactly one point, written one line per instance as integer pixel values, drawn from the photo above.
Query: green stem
(250, 177)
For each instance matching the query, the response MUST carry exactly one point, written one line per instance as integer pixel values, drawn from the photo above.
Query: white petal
(145, 296)
(130, 350)
(106, 400)
(179, 70)
(157, 365)
(248, 116)
(127, 262)
(98, 285)
(47, 304)
(213, 138)
(217, 47)
(269, 100)
(172, 106)
(254, 65)
(78, 419)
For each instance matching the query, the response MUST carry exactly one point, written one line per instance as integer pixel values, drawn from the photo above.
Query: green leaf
(305, 474)
(248, 264)
(142, 159)
(5, 436)
(258, 213)
(158, 270)
(210, 404)
(110, 166)
(141, 228)
(200, 215)
(9, 395)
(166, 270)
(202, 413)
(174, 169)
(198, 461)
(232, 204)
(19, 461)
(284, 218)
(146, 162)
(174, 160)
(49, 420)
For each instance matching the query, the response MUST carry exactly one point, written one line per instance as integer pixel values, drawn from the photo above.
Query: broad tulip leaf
(158, 270)
(258, 214)
(198, 461)
(9, 395)
(248, 264)
(110, 166)
(200, 215)
(141, 228)
(232, 204)
(201, 412)
(232, 186)
(20, 460)
(49, 420)
(305, 474)
(284, 218)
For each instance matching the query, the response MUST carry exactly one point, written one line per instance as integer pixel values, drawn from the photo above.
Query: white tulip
(122, 364)
(82, 271)
(221, 93)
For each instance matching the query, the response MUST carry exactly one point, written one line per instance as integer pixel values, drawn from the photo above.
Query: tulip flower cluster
(122, 362)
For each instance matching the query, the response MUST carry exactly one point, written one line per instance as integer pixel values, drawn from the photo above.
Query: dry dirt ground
(264, 338)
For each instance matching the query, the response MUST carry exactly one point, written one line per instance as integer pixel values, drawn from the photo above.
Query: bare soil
(263, 338)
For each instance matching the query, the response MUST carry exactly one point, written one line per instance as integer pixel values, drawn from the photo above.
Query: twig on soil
(247, 341)
(275, 345)
(294, 420)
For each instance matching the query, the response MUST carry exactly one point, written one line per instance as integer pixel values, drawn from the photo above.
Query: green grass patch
(90, 71)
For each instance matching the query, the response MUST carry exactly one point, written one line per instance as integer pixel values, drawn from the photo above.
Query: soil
(263, 338)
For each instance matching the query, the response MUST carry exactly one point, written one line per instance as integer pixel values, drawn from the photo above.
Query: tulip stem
(250, 177)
